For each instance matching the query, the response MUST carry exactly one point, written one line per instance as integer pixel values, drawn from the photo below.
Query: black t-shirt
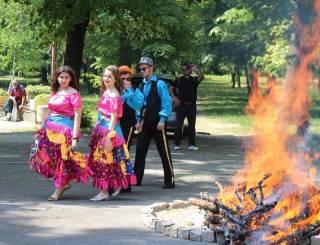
(186, 88)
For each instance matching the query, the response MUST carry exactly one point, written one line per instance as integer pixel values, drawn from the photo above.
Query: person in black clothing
(151, 125)
(128, 119)
(184, 95)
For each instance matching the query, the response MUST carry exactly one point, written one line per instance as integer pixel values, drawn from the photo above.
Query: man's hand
(127, 84)
(194, 67)
(160, 126)
(139, 127)
(20, 107)
(176, 101)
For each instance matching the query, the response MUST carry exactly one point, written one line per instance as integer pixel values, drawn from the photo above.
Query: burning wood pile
(283, 206)
(256, 223)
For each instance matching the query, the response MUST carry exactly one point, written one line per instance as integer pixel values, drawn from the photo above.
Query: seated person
(17, 98)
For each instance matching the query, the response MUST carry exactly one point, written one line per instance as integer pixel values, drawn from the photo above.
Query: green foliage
(3, 92)
(86, 119)
(21, 48)
(33, 90)
(41, 99)
(94, 80)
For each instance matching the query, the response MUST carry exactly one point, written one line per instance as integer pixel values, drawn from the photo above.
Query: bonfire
(275, 198)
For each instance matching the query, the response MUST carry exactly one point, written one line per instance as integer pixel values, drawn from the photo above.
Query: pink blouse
(65, 104)
(108, 105)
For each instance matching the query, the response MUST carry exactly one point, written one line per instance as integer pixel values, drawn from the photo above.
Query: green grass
(222, 105)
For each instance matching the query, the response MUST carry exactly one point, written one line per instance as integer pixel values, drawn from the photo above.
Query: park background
(226, 39)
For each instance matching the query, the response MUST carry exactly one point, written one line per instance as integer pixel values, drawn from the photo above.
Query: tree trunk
(246, 71)
(75, 45)
(238, 76)
(44, 75)
(125, 51)
(233, 76)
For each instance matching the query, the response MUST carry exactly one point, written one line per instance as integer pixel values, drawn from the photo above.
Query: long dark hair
(73, 82)
(116, 73)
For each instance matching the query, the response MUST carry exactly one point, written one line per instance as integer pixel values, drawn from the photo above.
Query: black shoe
(128, 190)
(168, 186)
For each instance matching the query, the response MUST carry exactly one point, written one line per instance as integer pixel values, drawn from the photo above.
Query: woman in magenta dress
(109, 156)
(55, 155)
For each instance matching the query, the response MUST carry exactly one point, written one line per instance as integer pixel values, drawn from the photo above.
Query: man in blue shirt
(151, 123)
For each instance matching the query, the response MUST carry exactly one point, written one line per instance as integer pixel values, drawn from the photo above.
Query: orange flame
(277, 149)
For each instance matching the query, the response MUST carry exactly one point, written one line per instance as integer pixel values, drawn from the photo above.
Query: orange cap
(125, 69)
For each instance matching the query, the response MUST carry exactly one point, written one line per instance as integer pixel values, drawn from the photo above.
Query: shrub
(33, 90)
(41, 99)
(94, 80)
(3, 92)
(86, 119)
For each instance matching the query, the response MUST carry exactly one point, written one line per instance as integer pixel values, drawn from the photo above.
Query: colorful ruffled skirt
(52, 157)
(111, 169)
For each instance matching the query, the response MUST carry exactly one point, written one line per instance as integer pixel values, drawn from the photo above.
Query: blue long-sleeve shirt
(134, 98)
(165, 98)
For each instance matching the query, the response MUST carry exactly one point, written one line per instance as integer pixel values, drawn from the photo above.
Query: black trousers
(183, 111)
(9, 105)
(150, 131)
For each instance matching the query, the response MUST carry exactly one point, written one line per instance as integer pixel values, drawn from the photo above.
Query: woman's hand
(74, 144)
(36, 136)
(109, 145)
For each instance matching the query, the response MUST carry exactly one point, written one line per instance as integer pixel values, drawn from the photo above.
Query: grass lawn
(221, 108)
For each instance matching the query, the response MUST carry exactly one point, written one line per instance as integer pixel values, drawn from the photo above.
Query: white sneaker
(192, 147)
(114, 194)
(8, 117)
(100, 197)
(177, 147)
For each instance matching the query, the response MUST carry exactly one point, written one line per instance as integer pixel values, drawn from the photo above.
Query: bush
(33, 90)
(41, 99)
(86, 119)
(3, 92)
(94, 80)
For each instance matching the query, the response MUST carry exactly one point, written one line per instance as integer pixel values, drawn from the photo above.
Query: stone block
(221, 239)
(208, 236)
(171, 231)
(315, 240)
(147, 220)
(184, 233)
(164, 224)
(154, 223)
(196, 235)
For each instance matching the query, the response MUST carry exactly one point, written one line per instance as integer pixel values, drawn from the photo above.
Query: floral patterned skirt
(111, 169)
(52, 157)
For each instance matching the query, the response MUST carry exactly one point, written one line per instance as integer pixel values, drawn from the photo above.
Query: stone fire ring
(168, 227)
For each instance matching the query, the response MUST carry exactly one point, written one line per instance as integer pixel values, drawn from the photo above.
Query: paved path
(27, 218)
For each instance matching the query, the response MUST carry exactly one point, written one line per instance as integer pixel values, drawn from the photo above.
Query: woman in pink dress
(109, 156)
(54, 152)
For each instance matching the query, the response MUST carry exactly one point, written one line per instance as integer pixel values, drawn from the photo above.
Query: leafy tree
(21, 48)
